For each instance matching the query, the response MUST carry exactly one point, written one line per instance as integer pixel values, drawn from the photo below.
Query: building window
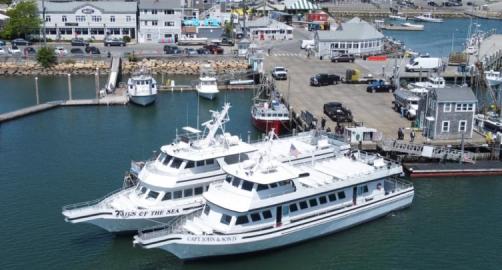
(447, 107)
(445, 126)
(154, 11)
(470, 107)
(462, 126)
(47, 18)
(80, 18)
(168, 11)
(168, 23)
(125, 31)
(64, 19)
(128, 18)
(146, 23)
(154, 23)
(112, 18)
(96, 18)
(82, 31)
(149, 36)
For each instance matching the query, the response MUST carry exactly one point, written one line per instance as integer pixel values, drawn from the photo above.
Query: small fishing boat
(494, 78)
(142, 88)
(207, 86)
(413, 26)
(427, 17)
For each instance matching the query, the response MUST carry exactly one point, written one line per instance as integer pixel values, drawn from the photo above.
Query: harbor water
(74, 154)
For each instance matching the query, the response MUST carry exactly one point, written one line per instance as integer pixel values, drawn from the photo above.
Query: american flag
(293, 151)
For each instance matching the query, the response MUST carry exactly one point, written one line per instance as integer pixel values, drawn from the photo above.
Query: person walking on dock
(412, 136)
(323, 123)
(400, 134)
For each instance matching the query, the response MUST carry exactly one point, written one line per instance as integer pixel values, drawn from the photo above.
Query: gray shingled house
(449, 112)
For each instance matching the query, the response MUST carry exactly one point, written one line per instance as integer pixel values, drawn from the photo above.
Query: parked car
(171, 49)
(114, 42)
(14, 50)
(203, 51)
(225, 41)
(30, 51)
(324, 79)
(92, 50)
(20, 42)
(380, 86)
(279, 73)
(60, 51)
(343, 58)
(2, 42)
(432, 4)
(214, 49)
(337, 112)
(79, 42)
(2, 50)
(190, 51)
(76, 51)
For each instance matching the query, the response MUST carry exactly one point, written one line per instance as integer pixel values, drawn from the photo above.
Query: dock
(489, 53)
(222, 87)
(397, 27)
(480, 168)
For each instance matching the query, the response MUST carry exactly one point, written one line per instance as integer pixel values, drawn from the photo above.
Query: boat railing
(94, 203)
(396, 184)
(173, 226)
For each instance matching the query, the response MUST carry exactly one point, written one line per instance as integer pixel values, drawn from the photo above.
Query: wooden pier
(223, 87)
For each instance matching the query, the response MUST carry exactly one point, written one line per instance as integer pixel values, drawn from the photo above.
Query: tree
(46, 57)
(229, 28)
(23, 20)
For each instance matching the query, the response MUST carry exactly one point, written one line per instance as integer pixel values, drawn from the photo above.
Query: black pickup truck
(337, 112)
(324, 79)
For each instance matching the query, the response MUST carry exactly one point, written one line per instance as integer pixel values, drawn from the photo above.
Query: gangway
(430, 151)
(114, 73)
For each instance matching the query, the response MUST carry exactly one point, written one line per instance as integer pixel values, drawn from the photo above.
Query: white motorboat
(427, 17)
(207, 86)
(172, 183)
(142, 88)
(413, 26)
(431, 82)
(264, 204)
(398, 17)
(494, 78)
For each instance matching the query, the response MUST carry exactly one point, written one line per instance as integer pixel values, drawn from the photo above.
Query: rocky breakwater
(185, 66)
(75, 67)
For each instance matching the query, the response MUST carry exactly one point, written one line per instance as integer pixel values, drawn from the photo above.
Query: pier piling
(36, 91)
(96, 82)
(69, 87)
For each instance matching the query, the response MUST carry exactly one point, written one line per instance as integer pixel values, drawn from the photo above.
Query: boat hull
(494, 82)
(189, 247)
(127, 225)
(279, 126)
(143, 100)
(209, 96)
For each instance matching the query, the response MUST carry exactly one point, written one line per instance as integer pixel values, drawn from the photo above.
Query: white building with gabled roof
(266, 28)
(355, 36)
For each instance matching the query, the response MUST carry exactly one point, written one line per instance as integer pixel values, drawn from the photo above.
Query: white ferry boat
(142, 88)
(172, 183)
(427, 17)
(494, 78)
(431, 82)
(207, 87)
(264, 204)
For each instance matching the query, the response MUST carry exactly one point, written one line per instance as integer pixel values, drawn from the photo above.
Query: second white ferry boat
(172, 184)
(265, 204)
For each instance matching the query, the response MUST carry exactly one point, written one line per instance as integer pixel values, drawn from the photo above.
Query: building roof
(266, 22)
(159, 4)
(455, 94)
(104, 6)
(300, 5)
(354, 29)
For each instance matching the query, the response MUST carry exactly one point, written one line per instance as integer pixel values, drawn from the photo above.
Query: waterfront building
(89, 20)
(161, 21)
(299, 6)
(355, 36)
(449, 113)
(266, 28)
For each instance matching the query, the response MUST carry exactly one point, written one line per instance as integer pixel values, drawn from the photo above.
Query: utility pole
(43, 22)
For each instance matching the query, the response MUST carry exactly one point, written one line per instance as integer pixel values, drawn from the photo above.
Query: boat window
(246, 185)
(236, 182)
(190, 164)
(267, 214)
(153, 85)
(365, 189)
(255, 217)
(209, 161)
(303, 205)
(197, 190)
(323, 200)
(261, 187)
(176, 163)
(207, 187)
(241, 220)
(332, 197)
(161, 157)
(225, 219)
(177, 194)
(313, 202)
(283, 183)
(152, 195)
(228, 179)
(341, 195)
(142, 191)
(200, 163)
(273, 185)
(293, 207)
(166, 160)
(206, 209)
(188, 192)
(167, 196)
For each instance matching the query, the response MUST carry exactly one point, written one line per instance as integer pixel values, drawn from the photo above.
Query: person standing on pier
(412, 136)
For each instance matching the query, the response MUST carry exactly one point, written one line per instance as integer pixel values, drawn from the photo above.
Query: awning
(303, 5)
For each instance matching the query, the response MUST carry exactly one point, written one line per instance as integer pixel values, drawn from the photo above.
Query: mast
(218, 121)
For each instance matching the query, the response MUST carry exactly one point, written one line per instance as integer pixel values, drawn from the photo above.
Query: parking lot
(373, 109)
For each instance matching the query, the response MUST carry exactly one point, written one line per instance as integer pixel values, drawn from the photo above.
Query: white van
(424, 64)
